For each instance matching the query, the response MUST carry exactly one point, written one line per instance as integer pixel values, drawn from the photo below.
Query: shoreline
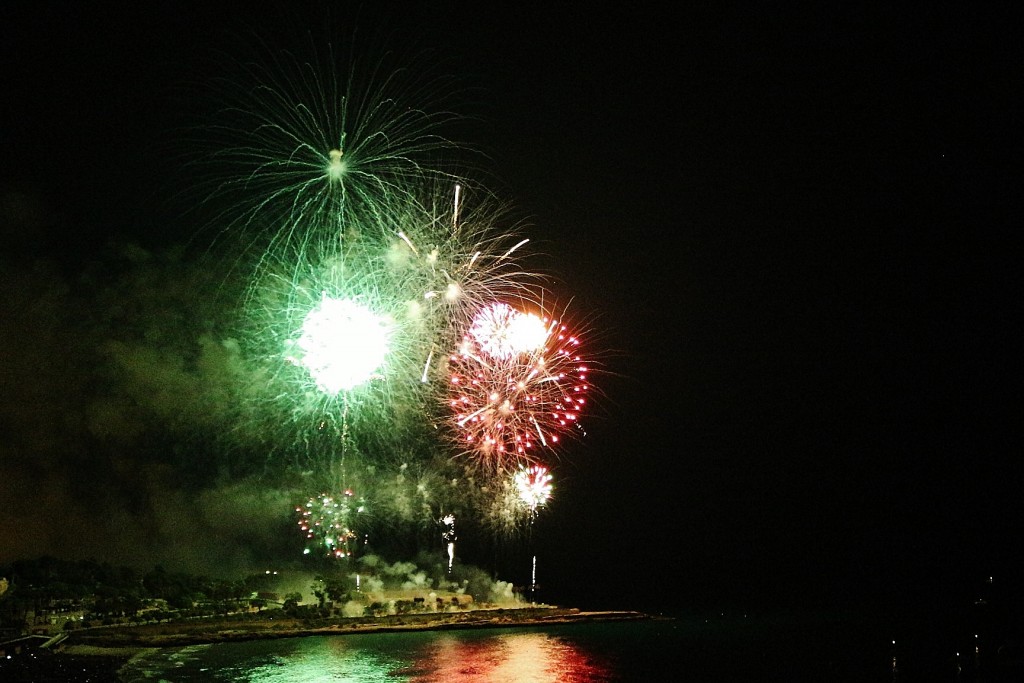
(126, 642)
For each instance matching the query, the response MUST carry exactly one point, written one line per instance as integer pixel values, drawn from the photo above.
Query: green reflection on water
(425, 657)
(320, 660)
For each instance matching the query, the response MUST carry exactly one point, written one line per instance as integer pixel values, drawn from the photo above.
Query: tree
(291, 603)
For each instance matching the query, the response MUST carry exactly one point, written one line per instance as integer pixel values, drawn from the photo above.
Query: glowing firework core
(534, 486)
(343, 344)
(502, 332)
(336, 169)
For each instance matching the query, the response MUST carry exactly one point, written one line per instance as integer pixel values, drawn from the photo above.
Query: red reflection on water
(512, 658)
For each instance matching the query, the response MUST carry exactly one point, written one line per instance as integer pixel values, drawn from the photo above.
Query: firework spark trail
(533, 485)
(448, 535)
(304, 150)
(443, 274)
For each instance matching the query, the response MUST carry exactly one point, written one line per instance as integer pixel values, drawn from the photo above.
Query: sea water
(730, 649)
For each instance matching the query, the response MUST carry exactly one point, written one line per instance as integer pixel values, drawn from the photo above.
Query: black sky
(795, 227)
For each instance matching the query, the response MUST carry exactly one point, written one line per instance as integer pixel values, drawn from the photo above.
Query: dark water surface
(737, 649)
(721, 647)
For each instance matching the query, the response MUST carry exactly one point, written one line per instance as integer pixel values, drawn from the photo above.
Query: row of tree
(48, 584)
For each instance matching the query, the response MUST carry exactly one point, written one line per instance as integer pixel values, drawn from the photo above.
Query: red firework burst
(504, 406)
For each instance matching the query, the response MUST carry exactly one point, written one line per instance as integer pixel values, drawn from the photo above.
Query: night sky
(793, 233)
